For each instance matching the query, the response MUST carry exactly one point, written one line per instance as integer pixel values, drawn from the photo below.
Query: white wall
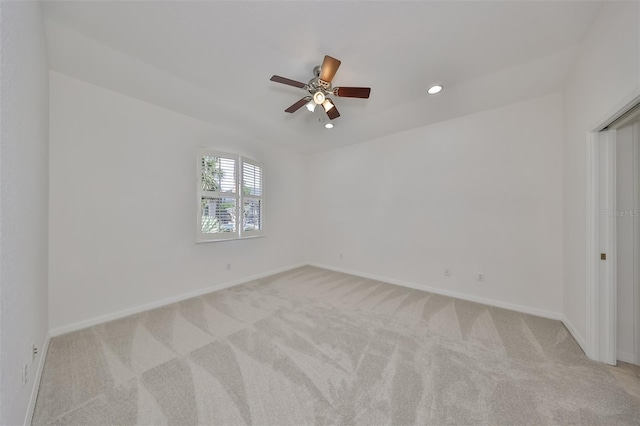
(123, 204)
(627, 285)
(24, 211)
(481, 193)
(606, 73)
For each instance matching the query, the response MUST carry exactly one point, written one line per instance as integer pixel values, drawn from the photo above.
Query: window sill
(217, 240)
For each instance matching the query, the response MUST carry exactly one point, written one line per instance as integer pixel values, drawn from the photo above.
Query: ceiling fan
(320, 88)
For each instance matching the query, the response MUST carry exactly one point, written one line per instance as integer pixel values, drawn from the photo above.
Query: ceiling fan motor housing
(324, 84)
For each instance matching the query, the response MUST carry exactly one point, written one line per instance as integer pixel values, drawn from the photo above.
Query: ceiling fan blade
(328, 69)
(333, 113)
(297, 105)
(287, 81)
(352, 92)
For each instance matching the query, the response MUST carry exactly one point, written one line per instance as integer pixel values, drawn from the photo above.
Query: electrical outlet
(447, 272)
(34, 352)
(25, 374)
(480, 276)
(228, 266)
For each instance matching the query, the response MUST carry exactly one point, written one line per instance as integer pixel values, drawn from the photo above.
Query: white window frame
(239, 197)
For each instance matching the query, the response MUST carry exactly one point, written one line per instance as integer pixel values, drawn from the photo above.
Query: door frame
(636, 240)
(601, 295)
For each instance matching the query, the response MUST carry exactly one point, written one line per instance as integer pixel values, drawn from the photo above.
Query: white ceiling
(213, 60)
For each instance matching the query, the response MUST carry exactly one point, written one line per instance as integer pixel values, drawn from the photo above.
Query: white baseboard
(36, 382)
(152, 305)
(574, 332)
(628, 357)
(444, 292)
(157, 304)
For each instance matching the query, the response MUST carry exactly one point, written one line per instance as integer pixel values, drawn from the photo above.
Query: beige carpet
(312, 346)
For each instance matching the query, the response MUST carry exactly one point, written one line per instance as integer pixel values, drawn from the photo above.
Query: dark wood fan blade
(287, 81)
(328, 69)
(352, 92)
(333, 113)
(297, 105)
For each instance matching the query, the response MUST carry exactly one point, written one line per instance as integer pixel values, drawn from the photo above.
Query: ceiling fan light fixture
(318, 98)
(434, 89)
(311, 106)
(327, 105)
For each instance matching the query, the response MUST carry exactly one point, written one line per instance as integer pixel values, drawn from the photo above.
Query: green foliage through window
(212, 174)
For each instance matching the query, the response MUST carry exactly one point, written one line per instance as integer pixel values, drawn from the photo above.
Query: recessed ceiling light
(328, 126)
(434, 89)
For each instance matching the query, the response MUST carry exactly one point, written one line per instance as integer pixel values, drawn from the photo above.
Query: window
(230, 197)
